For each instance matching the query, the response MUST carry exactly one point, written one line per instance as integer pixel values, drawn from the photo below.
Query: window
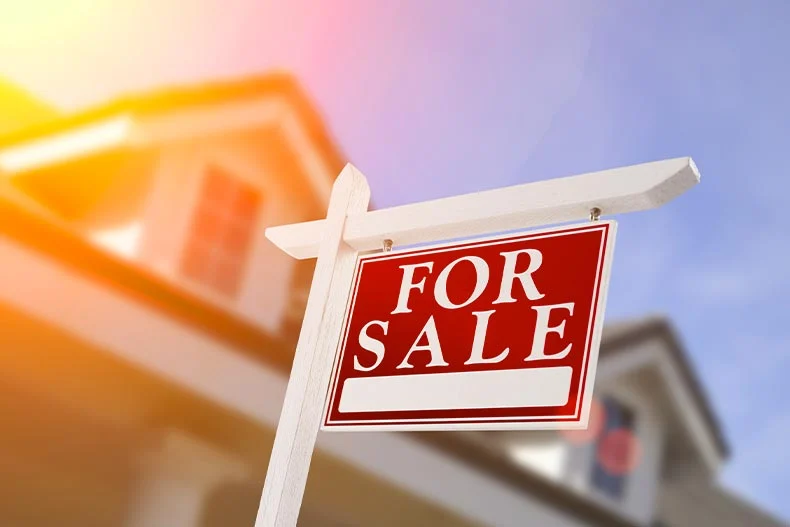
(609, 476)
(219, 239)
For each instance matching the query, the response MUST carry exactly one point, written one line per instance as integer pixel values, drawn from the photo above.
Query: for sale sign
(497, 333)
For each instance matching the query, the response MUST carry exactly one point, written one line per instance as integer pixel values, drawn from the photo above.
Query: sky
(431, 99)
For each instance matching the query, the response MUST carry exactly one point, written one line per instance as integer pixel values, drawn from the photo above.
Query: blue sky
(481, 98)
(434, 99)
(500, 97)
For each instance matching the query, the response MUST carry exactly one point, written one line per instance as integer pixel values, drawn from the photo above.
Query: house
(148, 332)
(19, 109)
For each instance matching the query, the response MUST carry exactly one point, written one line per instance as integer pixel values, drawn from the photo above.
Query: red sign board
(498, 333)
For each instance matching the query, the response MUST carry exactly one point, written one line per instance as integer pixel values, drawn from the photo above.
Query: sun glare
(123, 241)
(65, 146)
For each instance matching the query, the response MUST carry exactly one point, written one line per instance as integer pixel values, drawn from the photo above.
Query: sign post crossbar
(349, 228)
(616, 191)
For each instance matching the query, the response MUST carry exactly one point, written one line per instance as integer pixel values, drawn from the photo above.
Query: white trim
(222, 155)
(169, 126)
(642, 484)
(313, 164)
(178, 174)
(210, 119)
(653, 354)
(237, 116)
(59, 147)
(181, 169)
(684, 401)
(575, 421)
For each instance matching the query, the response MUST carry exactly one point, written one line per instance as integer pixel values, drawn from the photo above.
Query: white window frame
(639, 495)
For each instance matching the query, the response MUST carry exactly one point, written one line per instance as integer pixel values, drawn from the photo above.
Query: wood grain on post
(300, 418)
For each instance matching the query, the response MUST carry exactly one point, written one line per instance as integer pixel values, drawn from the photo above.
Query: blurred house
(19, 109)
(148, 329)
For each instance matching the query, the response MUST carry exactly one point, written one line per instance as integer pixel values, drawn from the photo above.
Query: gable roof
(622, 336)
(191, 96)
(30, 228)
(27, 226)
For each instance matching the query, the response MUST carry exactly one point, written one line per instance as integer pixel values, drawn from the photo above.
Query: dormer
(183, 182)
(649, 403)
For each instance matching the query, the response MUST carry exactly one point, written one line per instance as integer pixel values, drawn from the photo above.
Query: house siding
(261, 159)
(179, 355)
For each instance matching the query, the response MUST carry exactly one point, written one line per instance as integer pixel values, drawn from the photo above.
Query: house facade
(149, 329)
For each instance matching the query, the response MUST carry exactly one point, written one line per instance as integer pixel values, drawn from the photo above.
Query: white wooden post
(300, 419)
(349, 229)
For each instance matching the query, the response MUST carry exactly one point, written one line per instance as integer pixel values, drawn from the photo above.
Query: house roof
(19, 109)
(622, 336)
(195, 95)
(29, 226)
(41, 233)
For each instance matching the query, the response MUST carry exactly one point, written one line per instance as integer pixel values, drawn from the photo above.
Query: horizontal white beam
(615, 191)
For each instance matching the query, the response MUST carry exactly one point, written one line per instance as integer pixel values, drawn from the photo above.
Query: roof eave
(660, 328)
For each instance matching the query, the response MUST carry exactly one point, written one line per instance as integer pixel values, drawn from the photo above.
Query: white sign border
(349, 228)
(580, 417)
